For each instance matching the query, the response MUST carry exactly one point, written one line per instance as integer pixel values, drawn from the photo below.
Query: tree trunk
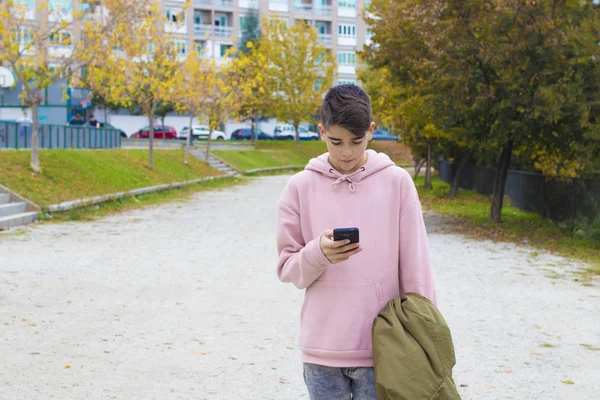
(253, 131)
(499, 182)
(296, 126)
(151, 140)
(35, 157)
(418, 167)
(210, 131)
(461, 167)
(189, 141)
(428, 184)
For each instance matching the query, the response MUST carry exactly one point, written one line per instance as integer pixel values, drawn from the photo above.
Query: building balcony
(323, 10)
(224, 3)
(326, 38)
(203, 29)
(224, 31)
(303, 7)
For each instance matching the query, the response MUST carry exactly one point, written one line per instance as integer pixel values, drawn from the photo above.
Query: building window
(198, 18)
(347, 30)
(60, 39)
(174, 15)
(346, 82)
(347, 58)
(347, 3)
(180, 46)
(199, 46)
(224, 48)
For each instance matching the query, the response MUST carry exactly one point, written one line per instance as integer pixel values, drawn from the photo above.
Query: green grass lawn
(470, 213)
(282, 153)
(75, 174)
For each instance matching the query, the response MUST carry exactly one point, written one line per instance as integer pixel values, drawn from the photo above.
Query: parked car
(160, 132)
(121, 131)
(287, 132)
(382, 134)
(246, 134)
(201, 132)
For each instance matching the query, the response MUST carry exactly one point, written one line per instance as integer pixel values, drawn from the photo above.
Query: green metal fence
(14, 135)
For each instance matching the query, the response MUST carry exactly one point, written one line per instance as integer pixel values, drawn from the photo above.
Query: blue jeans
(329, 383)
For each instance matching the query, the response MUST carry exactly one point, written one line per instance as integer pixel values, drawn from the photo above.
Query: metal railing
(217, 30)
(324, 10)
(326, 38)
(203, 29)
(14, 135)
(223, 31)
(303, 7)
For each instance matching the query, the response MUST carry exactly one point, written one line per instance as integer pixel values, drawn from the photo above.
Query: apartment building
(212, 26)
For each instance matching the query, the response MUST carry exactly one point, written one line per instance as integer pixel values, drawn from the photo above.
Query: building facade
(212, 26)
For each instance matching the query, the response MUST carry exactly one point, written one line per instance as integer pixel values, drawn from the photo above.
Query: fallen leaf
(106, 351)
(35, 353)
(250, 363)
(464, 385)
(201, 342)
(59, 313)
(67, 366)
(558, 337)
(283, 380)
(232, 358)
(490, 387)
(568, 382)
(116, 315)
(6, 323)
(538, 326)
(26, 320)
(200, 353)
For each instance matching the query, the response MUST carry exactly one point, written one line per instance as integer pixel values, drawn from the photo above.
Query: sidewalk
(181, 301)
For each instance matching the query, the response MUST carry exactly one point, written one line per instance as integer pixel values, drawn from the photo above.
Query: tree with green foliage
(250, 30)
(499, 76)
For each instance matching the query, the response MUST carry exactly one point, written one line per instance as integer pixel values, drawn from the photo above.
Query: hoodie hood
(375, 163)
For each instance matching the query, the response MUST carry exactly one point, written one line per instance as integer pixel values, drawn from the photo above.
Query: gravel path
(181, 301)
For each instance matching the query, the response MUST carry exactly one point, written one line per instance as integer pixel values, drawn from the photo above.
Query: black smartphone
(346, 233)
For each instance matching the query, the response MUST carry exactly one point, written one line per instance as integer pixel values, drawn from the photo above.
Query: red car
(160, 132)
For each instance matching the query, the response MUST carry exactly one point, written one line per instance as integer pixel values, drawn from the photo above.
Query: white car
(201, 132)
(287, 132)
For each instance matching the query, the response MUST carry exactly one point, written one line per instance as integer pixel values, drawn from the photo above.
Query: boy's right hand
(337, 251)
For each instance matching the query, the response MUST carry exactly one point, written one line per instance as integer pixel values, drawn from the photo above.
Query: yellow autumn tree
(256, 95)
(140, 70)
(224, 92)
(300, 70)
(47, 42)
(190, 91)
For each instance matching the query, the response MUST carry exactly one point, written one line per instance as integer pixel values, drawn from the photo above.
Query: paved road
(181, 301)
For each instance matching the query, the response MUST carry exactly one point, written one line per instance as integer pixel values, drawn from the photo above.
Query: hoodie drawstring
(346, 178)
(341, 179)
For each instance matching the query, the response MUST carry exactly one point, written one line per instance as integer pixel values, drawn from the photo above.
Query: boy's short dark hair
(349, 107)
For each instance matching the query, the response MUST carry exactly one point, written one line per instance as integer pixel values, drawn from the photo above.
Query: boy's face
(346, 150)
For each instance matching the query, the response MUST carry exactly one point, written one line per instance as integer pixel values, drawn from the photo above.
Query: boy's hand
(337, 251)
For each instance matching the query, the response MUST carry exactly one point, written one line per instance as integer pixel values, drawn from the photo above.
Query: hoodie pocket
(338, 316)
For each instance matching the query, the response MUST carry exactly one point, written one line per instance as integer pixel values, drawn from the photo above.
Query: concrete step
(12, 208)
(4, 198)
(18, 219)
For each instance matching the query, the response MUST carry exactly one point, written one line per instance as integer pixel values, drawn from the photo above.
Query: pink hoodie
(342, 300)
